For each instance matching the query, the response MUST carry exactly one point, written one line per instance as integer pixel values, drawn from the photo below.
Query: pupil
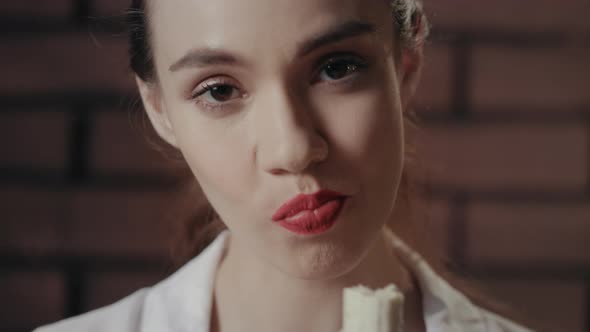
(221, 92)
(337, 70)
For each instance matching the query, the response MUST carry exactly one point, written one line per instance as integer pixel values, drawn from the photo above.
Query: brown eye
(222, 92)
(338, 68)
(217, 93)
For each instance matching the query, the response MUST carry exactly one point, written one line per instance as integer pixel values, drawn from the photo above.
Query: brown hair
(202, 225)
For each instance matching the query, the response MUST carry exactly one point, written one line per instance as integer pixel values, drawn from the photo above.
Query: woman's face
(268, 99)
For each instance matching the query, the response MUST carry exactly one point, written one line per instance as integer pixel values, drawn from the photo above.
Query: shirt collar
(183, 301)
(445, 308)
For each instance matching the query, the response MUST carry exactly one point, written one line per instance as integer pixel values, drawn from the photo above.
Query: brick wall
(506, 139)
(505, 108)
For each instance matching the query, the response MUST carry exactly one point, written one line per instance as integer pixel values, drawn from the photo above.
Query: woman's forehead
(246, 25)
(285, 11)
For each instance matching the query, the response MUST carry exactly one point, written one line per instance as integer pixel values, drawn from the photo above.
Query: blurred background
(505, 109)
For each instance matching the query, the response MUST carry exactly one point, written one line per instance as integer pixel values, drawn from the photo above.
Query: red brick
(43, 8)
(120, 143)
(539, 234)
(549, 305)
(32, 220)
(524, 15)
(528, 79)
(107, 287)
(506, 156)
(120, 223)
(33, 139)
(434, 90)
(30, 299)
(73, 61)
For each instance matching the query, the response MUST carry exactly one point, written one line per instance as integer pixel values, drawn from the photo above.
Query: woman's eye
(217, 93)
(339, 68)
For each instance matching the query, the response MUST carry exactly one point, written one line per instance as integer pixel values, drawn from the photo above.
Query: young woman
(290, 115)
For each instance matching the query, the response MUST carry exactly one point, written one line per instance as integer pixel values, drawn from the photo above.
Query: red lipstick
(310, 214)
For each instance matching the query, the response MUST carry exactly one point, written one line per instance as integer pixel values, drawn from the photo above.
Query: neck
(261, 302)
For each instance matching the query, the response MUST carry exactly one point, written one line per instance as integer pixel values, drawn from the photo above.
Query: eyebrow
(210, 56)
(335, 34)
(205, 57)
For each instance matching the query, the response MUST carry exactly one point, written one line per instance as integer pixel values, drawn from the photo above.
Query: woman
(290, 115)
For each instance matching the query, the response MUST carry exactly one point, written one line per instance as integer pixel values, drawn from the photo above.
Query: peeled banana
(366, 310)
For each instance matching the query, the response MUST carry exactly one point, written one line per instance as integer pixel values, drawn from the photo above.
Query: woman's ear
(156, 110)
(411, 68)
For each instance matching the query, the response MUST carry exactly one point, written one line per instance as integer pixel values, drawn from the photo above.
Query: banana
(365, 310)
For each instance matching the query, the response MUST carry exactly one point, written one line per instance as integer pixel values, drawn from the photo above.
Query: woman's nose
(288, 139)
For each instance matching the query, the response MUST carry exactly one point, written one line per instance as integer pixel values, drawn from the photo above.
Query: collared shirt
(182, 302)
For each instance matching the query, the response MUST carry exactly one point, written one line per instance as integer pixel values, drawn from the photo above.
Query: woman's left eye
(338, 68)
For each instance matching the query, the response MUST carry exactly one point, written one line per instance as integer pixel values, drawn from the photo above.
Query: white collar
(445, 308)
(182, 302)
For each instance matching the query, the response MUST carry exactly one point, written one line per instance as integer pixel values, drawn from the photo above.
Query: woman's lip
(317, 221)
(305, 202)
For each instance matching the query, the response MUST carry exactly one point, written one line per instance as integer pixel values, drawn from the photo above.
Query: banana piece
(365, 310)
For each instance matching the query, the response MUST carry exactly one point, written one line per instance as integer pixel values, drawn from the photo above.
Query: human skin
(288, 126)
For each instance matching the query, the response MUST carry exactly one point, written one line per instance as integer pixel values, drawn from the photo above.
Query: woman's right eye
(217, 92)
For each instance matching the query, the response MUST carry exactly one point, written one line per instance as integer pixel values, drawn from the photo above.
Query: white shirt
(182, 302)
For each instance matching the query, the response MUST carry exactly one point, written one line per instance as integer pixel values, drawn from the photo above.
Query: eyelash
(340, 58)
(208, 87)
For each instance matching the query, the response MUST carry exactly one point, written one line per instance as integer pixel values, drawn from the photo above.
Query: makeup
(310, 214)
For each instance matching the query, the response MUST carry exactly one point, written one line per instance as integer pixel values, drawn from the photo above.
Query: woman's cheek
(364, 124)
(221, 167)
(216, 154)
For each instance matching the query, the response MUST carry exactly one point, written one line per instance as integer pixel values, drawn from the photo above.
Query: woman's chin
(322, 262)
